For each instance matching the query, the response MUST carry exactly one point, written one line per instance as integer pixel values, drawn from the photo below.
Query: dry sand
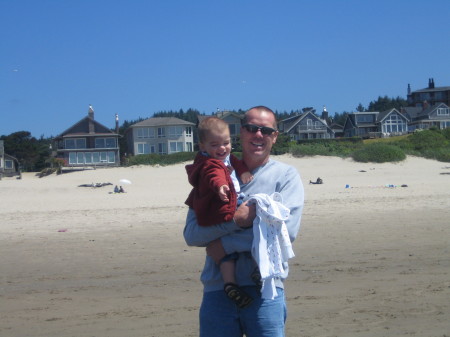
(370, 260)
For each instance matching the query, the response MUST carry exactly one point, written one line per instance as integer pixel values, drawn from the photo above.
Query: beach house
(162, 135)
(9, 166)
(88, 143)
(426, 116)
(307, 125)
(373, 124)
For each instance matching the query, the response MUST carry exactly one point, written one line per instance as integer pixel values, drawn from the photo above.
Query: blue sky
(137, 57)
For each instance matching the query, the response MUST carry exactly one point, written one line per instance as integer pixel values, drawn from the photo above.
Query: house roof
(421, 113)
(383, 115)
(161, 121)
(291, 122)
(86, 127)
(432, 89)
(221, 115)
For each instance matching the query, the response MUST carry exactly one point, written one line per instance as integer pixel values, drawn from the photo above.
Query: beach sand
(371, 260)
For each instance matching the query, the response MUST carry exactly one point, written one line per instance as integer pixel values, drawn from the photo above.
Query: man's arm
(293, 198)
(200, 236)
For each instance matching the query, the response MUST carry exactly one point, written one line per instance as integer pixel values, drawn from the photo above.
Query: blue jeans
(220, 317)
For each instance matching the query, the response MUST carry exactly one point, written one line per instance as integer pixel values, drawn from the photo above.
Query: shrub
(379, 153)
(161, 159)
(427, 139)
(446, 133)
(326, 147)
(440, 154)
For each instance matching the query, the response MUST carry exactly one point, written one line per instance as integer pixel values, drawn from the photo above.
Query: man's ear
(275, 137)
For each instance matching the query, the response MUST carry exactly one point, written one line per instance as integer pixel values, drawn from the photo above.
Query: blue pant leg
(264, 317)
(219, 316)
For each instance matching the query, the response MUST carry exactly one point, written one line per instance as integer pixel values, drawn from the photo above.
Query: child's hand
(246, 177)
(223, 193)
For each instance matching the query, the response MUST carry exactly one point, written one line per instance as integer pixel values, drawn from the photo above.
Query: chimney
(324, 113)
(117, 123)
(409, 89)
(91, 111)
(432, 83)
(91, 119)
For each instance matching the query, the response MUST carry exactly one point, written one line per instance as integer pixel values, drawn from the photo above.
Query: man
(219, 316)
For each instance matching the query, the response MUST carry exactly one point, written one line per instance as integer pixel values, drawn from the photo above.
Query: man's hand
(245, 215)
(215, 250)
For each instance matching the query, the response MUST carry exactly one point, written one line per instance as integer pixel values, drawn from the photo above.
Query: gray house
(88, 143)
(376, 124)
(306, 126)
(9, 166)
(162, 135)
(427, 116)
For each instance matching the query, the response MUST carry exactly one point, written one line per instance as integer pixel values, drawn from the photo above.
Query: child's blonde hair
(208, 124)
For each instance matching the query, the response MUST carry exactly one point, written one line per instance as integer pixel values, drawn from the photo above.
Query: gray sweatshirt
(272, 177)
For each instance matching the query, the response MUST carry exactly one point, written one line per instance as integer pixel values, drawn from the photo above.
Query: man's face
(256, 146)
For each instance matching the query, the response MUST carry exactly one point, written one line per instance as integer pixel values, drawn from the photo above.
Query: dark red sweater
(206, 175)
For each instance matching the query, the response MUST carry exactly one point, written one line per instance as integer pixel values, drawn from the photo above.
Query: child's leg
(227, 271)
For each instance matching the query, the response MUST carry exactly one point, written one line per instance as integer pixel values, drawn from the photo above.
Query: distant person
(116, 189)
(216, 189)
(121, 190)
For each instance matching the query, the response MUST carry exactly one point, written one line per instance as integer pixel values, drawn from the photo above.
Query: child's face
(217, 144)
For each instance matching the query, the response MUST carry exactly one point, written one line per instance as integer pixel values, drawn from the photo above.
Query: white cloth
(271, 246)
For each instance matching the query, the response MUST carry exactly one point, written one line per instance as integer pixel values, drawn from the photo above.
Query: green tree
(386, 103)
(31, 153)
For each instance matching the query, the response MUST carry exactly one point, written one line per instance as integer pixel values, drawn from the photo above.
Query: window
(143, 148)
(145, 133)
(161, 132)
(443, 111)
(189, 147)
(364, 118)
(175, 131)
(9, 164)
(101, 143)
(232, 129)
(103, 157)
(394, 123)
(72, 158)
(75, 143)
(80, 158)
(88, 158)
(162, 148)
(111, 157)
(176, 147)
(188, 131)
(309, 123)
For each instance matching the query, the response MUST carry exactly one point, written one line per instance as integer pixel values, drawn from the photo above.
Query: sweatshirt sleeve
(215, 174)
(200, 236)
(293, 198)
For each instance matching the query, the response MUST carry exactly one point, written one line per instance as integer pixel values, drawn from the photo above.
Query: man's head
(258, 135)
(214, 137)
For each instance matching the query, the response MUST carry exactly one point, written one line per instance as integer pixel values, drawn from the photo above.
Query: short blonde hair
(208, 124)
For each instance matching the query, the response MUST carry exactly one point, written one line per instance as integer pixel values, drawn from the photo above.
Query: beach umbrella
(125, 181)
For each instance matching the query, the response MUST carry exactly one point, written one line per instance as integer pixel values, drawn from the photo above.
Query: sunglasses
(255, 128)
